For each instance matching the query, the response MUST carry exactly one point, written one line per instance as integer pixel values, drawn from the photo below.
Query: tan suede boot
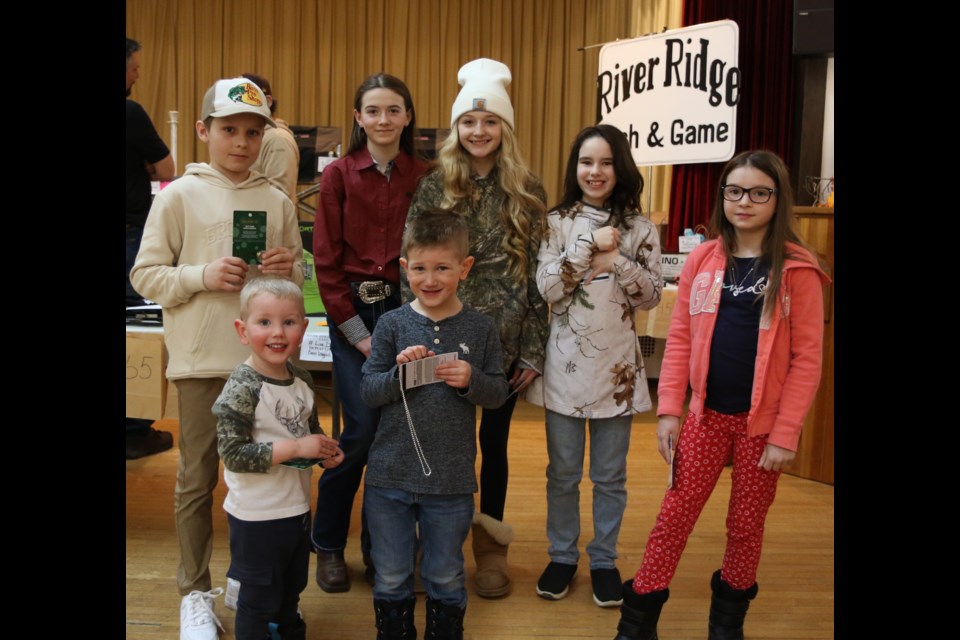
(491, 539)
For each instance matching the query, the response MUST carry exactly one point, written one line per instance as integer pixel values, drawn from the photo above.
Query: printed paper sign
(688, 243)
(324, 161)
(316, 342)
(671, 264)
(674, 94)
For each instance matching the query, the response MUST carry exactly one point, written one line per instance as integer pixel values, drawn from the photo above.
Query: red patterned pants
(703, 451)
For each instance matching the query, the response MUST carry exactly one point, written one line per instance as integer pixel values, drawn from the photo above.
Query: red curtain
(765, 111)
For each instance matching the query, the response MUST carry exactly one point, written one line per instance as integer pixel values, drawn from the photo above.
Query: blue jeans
(609, 443)
(338, 487)
(444, 523)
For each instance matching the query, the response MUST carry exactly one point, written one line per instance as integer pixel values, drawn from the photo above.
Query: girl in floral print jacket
(599, 262)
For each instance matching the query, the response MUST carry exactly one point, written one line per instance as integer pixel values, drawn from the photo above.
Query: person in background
(279, 154)
(147, 158)
(483, 177)
(746, 336)
(364, 197)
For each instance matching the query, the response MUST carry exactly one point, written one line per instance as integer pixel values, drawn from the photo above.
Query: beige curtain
(646, 17)
(316, 52)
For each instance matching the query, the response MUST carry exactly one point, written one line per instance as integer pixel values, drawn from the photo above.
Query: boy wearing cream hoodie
(186, 264)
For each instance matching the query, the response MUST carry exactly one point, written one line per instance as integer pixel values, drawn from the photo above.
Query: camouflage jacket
(594, 367)
(517, 308)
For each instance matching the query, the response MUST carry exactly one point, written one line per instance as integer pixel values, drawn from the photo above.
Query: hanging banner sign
(674, 94)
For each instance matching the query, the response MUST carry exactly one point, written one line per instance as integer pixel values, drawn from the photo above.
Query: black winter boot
(444, 621)
(728, 608)
(395, 619)
(295, 631)
(639, 613)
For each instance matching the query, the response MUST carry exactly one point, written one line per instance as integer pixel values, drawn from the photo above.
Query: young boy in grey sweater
(421, 465)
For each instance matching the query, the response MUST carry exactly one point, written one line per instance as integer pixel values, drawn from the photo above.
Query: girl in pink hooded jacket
(746, 335)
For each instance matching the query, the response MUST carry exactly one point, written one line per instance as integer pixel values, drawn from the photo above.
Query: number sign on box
(145, 374)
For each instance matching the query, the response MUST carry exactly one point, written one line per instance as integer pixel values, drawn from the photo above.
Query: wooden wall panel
(815, 455)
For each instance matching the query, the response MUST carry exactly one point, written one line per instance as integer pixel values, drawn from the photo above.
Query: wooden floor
(796, 573)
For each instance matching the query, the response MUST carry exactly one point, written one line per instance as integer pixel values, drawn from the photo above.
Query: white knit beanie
(484, 83)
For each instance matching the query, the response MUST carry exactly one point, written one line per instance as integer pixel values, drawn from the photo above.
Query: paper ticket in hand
(421, 372)
(249, 235)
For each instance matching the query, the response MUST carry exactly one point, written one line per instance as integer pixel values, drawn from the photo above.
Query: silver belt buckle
(373, 291)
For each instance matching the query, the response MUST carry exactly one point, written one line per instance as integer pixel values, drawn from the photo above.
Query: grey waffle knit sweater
(444, 417)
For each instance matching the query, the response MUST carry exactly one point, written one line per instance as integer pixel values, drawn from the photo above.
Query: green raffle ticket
(249, 235)
(302, 463)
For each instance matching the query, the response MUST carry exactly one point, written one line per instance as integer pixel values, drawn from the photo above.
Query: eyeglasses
(757, 195)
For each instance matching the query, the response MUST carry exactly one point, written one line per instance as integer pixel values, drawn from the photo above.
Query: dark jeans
(138, 427)
(338, 486)
(271, 559)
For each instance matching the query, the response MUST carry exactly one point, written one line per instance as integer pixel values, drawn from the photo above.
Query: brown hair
(774, 252)
(264, 85)
(358, 137)
(624, 201)
(437, 228)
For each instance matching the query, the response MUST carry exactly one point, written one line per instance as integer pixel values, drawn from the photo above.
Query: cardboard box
(146, 374)
(656, 322)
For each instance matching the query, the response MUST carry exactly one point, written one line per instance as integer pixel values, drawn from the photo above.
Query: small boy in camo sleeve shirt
(269, 439)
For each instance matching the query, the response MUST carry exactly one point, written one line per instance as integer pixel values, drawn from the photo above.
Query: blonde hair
(523, 214)
(277, 286)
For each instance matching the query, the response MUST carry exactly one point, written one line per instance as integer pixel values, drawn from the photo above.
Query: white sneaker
(197, 619)
(233, 592)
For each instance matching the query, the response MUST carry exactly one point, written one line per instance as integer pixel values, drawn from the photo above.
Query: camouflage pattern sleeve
(642, 282)
(235, 410)
(561, 267)
(536, 328)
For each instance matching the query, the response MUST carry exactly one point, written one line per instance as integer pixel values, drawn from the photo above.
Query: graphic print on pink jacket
(789, 346)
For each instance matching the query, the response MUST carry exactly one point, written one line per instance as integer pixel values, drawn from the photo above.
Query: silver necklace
(737, 289)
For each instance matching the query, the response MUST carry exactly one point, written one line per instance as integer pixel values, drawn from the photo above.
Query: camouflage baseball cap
(233, 96)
